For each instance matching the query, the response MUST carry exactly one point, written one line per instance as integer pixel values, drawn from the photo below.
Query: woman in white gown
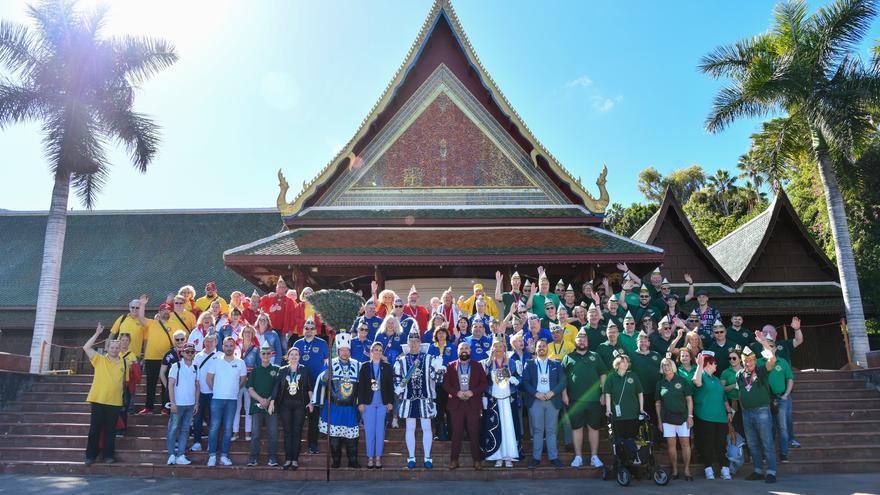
(499, 439)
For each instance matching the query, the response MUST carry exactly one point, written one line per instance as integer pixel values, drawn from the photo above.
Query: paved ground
(850, 484)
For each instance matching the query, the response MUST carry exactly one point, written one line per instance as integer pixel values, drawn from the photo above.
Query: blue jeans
(374, 428)
(781, 423)
(222, 412)
(198, 420)
(178, 429)
(542, 419)
(758, 424)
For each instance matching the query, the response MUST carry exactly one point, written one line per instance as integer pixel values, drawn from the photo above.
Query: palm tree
(805, 68)
(781, 144)
(749, 166)
(724, 186)
(81, 87)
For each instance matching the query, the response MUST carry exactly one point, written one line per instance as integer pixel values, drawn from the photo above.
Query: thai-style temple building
(443, 184)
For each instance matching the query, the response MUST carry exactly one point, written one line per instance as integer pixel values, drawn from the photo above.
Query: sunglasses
(134, 307)
(265, 353)
(177, 303)
(189, 352)
(180, 340)
(733, 358)
(716, 332)
(398, 305)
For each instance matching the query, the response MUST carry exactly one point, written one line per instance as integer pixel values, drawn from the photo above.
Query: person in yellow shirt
(210, 296)
(468, 306)
(569, 331)
(134, 377)
(134, 324)
(105, 396)
(181, 318)
(158, 343)
(558, 348)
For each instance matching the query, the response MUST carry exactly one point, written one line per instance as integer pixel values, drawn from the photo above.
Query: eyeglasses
(134, 307)
(180, 340)
(630, 323)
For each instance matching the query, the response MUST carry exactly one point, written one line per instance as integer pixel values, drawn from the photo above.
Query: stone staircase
(837, 421)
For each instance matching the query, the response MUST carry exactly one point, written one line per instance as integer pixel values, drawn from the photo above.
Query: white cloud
(583, 81)
(604, 104)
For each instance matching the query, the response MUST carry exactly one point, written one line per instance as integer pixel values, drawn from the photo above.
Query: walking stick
(329, 400)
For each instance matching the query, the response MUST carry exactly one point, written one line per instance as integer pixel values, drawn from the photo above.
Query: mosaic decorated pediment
(443, 148)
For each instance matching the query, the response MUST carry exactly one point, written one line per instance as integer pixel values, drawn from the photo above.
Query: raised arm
(798, 335)
(698, 375)
(674, 342)
(88, 347)
(627, 286)
(690, 281)
(771, 361)
(498, 279)
(632, 276)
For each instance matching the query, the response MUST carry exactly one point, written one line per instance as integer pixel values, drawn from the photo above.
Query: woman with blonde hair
(385, 303)
(675, 410)
(624, 398)
(204, 326)
(188, 293)
(500, 444)
(449, 309)
(249, 350)
(437, 320)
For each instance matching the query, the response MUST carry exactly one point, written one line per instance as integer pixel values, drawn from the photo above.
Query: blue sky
(284, 84)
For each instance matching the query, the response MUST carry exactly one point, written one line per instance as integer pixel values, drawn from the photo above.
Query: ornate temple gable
(441, 41)
(443, 148)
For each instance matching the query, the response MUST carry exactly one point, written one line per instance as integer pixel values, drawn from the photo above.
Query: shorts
(587, 413)
(672, 431)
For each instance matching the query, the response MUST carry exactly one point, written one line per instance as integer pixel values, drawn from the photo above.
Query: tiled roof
(645, 231)
(110, 257)
(354, 245)
(735, 251)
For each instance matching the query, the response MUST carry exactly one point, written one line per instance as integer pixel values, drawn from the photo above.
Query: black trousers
(312, 435)
(350, 450)
(710, 440)
(441, 421)
(152, 367)
(292, 418)
(102, 421)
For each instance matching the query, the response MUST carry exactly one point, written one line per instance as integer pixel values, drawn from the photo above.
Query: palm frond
(840, 28)
(95, 20)
(731, 60)
(73, 142)
(18, 104)
(87, 186)
(789, 16)
(141, 57)
(138, 134)
(17, 47)
(54, 19)
(730, 104)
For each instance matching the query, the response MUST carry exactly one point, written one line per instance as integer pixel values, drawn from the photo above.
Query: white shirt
(227, 376)
(185, 388)
(197, 338)
(204, 366)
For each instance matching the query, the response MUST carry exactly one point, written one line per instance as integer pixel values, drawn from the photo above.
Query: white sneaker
(577, 462)
(182, 460)
(710, 473)
(596, 462)
(233, 438)
(225, 461)
(212, 461)
(725, 473)
(499, 463)
(394, 423)
(171, 460)
(508, 464)
(248, 437)
(196, 447)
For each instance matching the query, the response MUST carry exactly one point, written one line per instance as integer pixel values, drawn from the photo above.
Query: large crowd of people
(476, 366)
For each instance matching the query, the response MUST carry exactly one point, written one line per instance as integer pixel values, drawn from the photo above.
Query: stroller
(633, 456)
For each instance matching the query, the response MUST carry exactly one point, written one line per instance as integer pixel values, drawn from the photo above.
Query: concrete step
(847, 427)
(802, 414)
(798, 394)
(823, 375)
(826, 404)
(302, 474)
(846, 384)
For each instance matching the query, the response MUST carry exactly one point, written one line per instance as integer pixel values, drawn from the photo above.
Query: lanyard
(373, 372)
(546, 369)
(619, 399)
(465, 371)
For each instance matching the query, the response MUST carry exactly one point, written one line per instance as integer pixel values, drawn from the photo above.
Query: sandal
(675, 476)
(688, 477)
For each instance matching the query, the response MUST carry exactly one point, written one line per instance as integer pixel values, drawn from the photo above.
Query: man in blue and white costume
(340, 393)
(416, 374)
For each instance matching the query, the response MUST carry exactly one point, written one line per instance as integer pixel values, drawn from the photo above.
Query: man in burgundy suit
(465, 382)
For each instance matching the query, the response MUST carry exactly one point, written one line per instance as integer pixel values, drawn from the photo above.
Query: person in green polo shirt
(728, 379)
(594, 328)
(661, 339)
(646, 364)
(781, 381)
(783, 347)
(755, 396)
(624, 398)
(609, 349)
(260, 385)
(628, 336)
(585, 374)
(675, 414)
(720, 345)
(712, 415)
(738, 333)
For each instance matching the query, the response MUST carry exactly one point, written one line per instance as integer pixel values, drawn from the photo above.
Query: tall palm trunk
(50, 274)
(846, 263)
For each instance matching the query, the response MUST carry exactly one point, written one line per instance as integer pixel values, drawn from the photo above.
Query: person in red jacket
(419, 313)
(465, 382)
(281, 311)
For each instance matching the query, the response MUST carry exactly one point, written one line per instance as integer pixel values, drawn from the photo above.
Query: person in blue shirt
(389, 336)
(370, 318)
(313, 353)
(481, 344)
(480, 313)
(462, 329)
(407, 323)
(436, 320)
(360, 345)
(535, 333)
